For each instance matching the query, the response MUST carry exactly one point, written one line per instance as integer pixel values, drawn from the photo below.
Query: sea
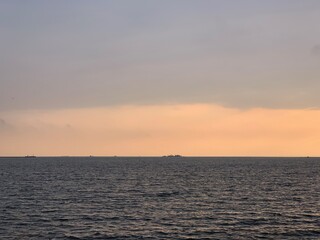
(159, 198)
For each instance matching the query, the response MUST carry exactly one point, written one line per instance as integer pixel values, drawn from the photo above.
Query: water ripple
(159, 198)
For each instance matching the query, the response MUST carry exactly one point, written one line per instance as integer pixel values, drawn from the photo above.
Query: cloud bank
(105, 53)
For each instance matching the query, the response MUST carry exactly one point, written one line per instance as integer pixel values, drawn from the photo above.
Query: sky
(151, 77)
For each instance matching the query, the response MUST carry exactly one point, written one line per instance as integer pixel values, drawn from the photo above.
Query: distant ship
(173, 156)
(30, 156)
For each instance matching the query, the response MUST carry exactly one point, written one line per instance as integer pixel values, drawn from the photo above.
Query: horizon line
(160, 156)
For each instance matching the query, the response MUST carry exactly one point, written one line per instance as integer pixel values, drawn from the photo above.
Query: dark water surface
(160, 198)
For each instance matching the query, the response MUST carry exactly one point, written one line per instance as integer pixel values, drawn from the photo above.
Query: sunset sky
(157, 77)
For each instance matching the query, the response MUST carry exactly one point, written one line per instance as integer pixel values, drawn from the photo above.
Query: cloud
(4, 126)
(316, 50)
(2, 122)
(109, 53)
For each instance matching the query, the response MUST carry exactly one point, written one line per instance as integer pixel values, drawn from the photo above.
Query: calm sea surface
(160, 198)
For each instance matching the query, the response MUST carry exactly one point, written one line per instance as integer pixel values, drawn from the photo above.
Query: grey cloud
(2, 122)
(4, 126)
(244, 54)
(316, 50)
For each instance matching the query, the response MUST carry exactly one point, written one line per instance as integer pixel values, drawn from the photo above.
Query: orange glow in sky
(195, 129)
